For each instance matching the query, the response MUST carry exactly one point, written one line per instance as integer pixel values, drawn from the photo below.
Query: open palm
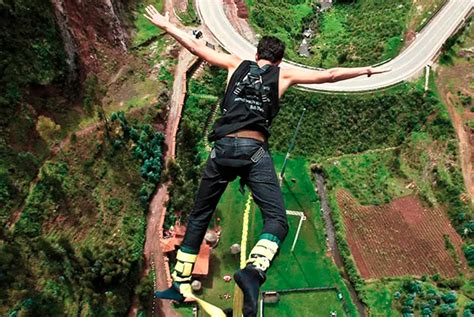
(155, 17)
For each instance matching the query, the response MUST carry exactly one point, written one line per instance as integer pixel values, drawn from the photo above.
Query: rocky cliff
(92, 32)
(59, 41)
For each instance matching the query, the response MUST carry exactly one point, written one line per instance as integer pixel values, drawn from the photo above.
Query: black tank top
(243, 108)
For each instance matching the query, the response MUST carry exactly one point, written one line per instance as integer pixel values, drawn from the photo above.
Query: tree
(48, 129)
(447, 310)
(469, 253)
(450, 297)
(468, 310)
(144, 289)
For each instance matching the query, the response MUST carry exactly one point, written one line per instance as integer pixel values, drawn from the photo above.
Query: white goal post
(302, 218)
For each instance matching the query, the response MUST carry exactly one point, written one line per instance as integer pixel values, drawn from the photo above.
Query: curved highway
(407, 65)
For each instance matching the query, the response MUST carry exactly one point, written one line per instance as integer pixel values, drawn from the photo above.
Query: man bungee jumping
(240, 136)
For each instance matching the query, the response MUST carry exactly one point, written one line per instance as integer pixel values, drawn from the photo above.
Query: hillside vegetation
(77, 246)
(351, 33)
(339, 124)
(74, 184)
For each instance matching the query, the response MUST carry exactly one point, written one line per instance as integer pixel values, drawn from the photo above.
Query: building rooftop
(170, 244)
(202, 263)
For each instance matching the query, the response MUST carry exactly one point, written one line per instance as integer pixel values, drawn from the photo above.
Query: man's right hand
(156, 18)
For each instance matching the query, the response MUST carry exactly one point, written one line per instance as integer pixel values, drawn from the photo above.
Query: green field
(287, 305)
(351, 172)
(308, 266)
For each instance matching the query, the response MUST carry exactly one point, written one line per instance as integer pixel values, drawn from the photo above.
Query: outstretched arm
(293, 77)
(196, 47)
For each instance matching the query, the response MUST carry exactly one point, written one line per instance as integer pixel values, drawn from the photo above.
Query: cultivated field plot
(400, 238)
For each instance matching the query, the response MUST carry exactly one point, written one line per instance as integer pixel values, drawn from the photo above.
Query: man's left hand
(373, 71)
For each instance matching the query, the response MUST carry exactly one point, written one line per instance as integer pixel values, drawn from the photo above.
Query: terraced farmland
(401, 238)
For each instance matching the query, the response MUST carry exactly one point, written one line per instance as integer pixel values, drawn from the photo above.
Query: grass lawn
(286, 306)
(185, 310)
(368, 176)
(144, 29)
(380, 298)
(308, 266)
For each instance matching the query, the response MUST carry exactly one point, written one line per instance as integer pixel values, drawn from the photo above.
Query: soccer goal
(302, 218)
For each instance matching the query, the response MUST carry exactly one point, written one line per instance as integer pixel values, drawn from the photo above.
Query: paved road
(405, 66)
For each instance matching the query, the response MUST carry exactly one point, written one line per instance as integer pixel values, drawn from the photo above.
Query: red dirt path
(459, 76)
(400, 238)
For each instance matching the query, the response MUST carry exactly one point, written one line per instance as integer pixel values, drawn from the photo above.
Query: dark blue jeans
(260, 177)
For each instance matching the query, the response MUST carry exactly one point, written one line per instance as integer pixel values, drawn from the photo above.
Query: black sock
(249, 280)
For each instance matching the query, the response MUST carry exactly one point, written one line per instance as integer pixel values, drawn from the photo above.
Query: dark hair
(270, 48)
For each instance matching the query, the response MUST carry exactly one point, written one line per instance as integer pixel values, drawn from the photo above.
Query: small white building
(303, 50)
(325, 5)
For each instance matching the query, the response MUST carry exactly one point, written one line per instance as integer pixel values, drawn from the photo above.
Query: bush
(449, 298)
(469, 253)
(48, 129)
(468, 310)
(452, 283)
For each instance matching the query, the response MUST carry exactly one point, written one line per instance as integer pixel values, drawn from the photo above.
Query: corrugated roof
(168, 245)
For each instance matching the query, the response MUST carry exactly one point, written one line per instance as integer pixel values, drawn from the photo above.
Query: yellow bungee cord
(238, 295)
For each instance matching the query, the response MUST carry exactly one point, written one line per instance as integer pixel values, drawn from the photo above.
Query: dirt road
(464, 144)
(156, 215)
(464, 74)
